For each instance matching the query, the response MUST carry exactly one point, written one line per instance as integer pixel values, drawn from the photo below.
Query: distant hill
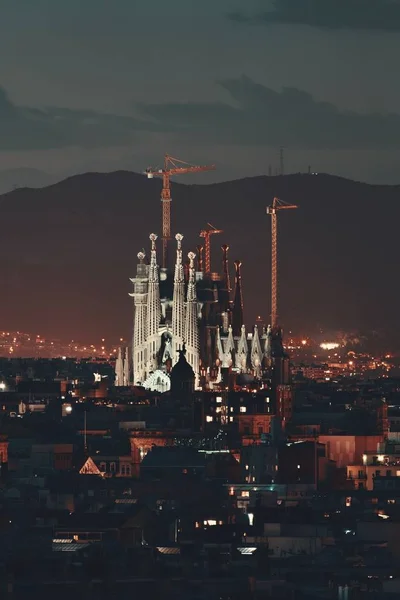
(69, 249)
(11, 179)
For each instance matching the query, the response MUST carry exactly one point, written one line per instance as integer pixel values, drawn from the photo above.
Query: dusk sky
(99, 85)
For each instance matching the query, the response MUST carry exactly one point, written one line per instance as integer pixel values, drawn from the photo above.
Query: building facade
(192, 308)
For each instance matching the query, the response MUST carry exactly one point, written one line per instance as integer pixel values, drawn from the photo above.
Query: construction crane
(206, 234)
(273, 211)
(172, 166)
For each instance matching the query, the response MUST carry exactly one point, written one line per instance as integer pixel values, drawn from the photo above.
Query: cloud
(24, 128)
(381, 15)
(256, 116)
(259, 115)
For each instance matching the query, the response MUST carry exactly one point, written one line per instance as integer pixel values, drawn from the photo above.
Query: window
(218, 409)
(112, 467)
(218, 399)
(231, 419)
(128, 469)
(245, 494)
(243, 409)
(123, 470)
(209, 419)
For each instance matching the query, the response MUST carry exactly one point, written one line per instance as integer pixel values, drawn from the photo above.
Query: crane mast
(206, 234)
(172, 166)
(273, 212)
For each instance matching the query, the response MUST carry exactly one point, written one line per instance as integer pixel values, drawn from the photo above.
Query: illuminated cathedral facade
(191, 309)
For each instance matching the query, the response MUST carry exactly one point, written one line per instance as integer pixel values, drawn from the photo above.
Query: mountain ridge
(69, 249)
(88, 174)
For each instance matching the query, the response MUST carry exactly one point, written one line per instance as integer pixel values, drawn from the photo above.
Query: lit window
(231, 409)
(391, 501)
(267, 400)
(209, 419)
(245, 494)
(298, 466)
(231, 419)
(218, 399)
(243, 409)
(247, 467)
(218, 409)
(397, 473)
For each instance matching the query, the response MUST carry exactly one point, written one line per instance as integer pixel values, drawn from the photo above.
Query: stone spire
(226, 292)
(218, 345)
(229, 349)
(237, 316)
(191, 322)
(178, 306)
(119, 369)
(153, 309)
(256, 353)
(225, 266)
(268, 347)
(127, 371)
(242, 351)
(139, 346)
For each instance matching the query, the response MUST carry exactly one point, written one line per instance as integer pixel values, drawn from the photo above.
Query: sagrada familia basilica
(191, 309)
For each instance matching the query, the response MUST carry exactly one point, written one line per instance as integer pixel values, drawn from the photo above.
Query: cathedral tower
(191, 323)
(178, 306)
(139, 349)
(153, 340)
(237, 316)
(127, 370)
(119, 369)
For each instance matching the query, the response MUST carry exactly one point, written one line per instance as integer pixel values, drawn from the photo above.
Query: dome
(182, 371)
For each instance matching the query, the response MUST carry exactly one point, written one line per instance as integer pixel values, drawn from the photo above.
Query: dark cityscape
(199, 351)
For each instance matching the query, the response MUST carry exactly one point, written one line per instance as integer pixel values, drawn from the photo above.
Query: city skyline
(199, 375)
